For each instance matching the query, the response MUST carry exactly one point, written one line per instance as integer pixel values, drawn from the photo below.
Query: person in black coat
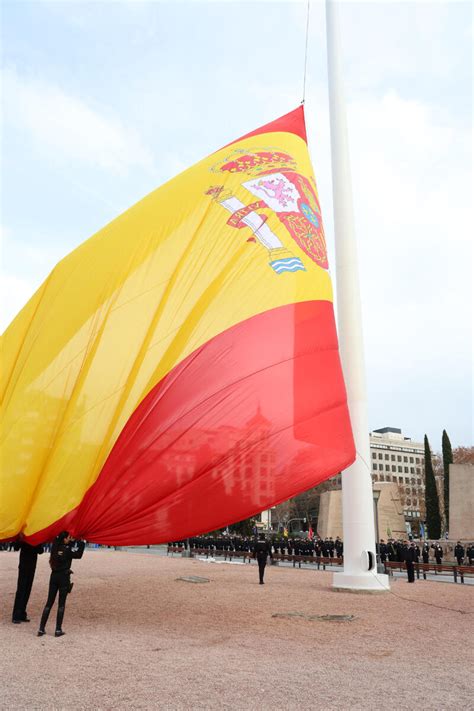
(470, 553)
(383, 551)
(459, 552)
(261, 550)
(425, 553)
(331, 546)
(62, 553)
(438, 553)
(391, 552)
(409, 555)
(26, 575)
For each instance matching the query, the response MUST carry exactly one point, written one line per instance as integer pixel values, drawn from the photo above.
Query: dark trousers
(261, 567)
(26, 575)
(58, 582)
(410, 571)
(459, 559)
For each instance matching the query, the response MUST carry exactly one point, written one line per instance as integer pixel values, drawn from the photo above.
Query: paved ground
(138, 638)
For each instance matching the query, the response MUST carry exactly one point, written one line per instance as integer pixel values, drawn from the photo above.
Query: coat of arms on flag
(286, 193)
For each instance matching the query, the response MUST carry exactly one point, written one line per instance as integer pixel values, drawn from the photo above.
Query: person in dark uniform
(339, 547)
(383, 551)
(470, 553)
(409, 554)
(459, 552)
(391, 552)
(62, 553)
(438, 553)
(331, 547)
(425, 553)
(262, 549)
(26, 574)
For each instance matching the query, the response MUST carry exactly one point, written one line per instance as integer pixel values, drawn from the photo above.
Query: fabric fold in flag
(179, 371)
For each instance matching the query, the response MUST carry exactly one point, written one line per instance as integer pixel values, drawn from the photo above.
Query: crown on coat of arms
(255, 162)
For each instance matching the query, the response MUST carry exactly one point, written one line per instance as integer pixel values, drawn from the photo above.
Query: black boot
(44, 619)
(59, 621)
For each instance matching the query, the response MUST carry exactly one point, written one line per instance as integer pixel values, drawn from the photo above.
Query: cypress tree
(447, 460)
(433, 517)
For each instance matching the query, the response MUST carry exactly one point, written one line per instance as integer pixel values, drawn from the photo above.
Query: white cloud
(14, 293)
(68, 128)
(24, 267)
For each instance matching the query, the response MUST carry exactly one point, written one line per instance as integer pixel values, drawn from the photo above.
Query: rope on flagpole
(306, 53)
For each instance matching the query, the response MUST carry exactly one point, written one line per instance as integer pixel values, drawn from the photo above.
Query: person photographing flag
(62, 553)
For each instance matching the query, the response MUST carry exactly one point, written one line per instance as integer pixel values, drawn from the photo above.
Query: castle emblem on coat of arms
(274, 182)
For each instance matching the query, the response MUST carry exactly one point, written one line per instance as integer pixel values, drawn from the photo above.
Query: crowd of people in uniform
(324, 548)
(391, 550)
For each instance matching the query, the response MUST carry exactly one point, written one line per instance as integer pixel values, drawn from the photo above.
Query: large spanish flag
(179, 371)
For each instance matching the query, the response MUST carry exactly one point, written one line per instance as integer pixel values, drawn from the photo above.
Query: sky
(104, 101)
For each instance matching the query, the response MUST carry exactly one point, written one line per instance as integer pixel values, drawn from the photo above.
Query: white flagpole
(357, 502)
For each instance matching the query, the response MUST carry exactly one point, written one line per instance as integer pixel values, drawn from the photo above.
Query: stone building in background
(398, 460)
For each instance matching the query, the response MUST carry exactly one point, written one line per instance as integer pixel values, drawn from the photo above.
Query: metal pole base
(363, 583)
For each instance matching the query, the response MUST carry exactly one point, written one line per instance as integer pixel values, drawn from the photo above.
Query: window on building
(405, 459)
(376, 477)
(405, 469)
(418, 481)
(374, 466)
(387, 456)
(417, 460)
(399, 459)
(380, 455)
(412, 470)
(394, 468)
(382, 478)
(400, 480)
(392, 457)
(400, 469)
(374, 455)
(409, 504)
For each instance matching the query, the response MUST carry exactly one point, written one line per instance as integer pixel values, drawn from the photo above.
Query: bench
(174, 549)
(210, 552)
(308, 559)
(438, 569)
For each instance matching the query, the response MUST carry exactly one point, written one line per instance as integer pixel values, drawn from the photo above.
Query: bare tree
(463, 455)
